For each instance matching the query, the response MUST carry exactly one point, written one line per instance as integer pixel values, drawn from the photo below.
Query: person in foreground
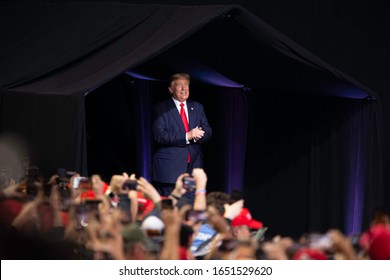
(180, 127)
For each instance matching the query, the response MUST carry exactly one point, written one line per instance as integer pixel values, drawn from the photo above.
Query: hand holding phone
(130, 185)
(189, 183)
(166, 203)
(81, 217)
(82, 183)
(124, 205)
(320, 241)
(259, 235)
(198, 216)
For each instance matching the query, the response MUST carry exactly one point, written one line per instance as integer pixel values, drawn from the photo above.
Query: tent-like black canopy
(73, 47)
(54, 54)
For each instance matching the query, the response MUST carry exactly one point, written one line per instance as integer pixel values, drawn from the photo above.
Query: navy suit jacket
(171, 156)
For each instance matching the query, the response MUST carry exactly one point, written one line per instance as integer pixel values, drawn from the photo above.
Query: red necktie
(185, 122)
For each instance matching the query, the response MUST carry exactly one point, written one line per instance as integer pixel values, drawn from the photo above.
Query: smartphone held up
(82, 183)
(189, 183)
(130, 185)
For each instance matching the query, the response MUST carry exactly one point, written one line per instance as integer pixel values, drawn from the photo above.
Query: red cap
(379, 247)
(144, 204)
(9, 209)
(183, 253)
(309, 254)
(245, 219)
(90, 194)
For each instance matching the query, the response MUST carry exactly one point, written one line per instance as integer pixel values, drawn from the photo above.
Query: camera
(189, 183)
(82, 183)
(228, 245)
(320, 241)
(66, 199)
(82, 211)
(166, 203)
(124, 205)
(92, 206)
(130, 185)
(64, 176)
(76, 182)
(198, 216)
(259, 234)
(34, 181)
(81, 216)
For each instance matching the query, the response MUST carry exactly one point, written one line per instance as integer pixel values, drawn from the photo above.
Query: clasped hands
(195, 134)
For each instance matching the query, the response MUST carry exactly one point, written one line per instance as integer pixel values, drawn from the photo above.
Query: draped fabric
(316, 163)
(67, 47)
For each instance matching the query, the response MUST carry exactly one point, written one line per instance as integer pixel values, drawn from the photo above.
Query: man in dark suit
(178, 148)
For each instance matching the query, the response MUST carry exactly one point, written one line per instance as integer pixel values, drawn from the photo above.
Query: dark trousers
(165, 189)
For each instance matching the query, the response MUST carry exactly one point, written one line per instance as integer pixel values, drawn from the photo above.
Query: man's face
(180, 89)
(242, 232)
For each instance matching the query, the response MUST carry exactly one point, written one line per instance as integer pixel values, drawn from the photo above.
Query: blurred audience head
(218, 199)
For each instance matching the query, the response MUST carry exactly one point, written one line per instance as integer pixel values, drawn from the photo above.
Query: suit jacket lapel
(191, 114)
(176, 115)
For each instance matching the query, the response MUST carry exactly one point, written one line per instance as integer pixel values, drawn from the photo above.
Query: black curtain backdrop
(306, 163)
(110, 125)
(52, 127)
